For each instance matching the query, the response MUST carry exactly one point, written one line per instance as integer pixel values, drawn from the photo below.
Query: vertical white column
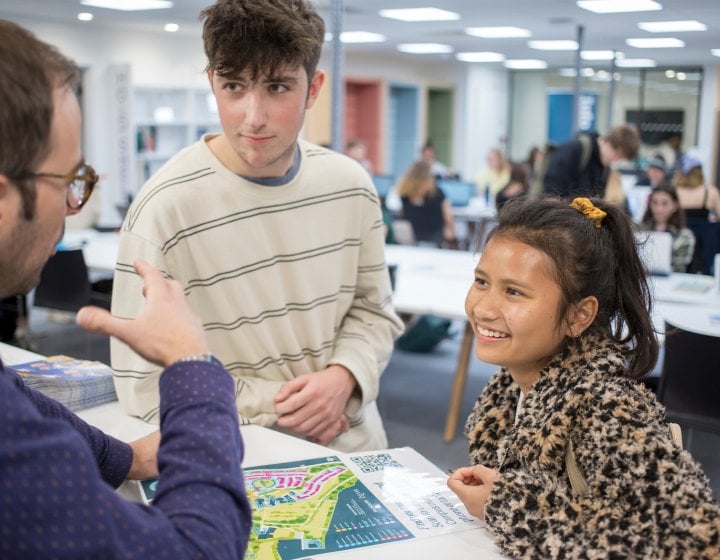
(119, 183)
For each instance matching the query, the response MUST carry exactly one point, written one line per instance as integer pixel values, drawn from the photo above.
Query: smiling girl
(560, 301)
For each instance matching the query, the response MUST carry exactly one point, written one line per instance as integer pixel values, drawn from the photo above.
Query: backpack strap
(577, 481)
(537, 184)
(586, 151)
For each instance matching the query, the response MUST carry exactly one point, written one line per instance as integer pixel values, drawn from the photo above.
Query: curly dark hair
(589, 261)
(260, 36)
(30, 71)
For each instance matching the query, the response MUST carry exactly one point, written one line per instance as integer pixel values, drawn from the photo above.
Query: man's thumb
(96, 320)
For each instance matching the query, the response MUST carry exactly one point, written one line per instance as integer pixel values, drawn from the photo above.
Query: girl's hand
(473, 486)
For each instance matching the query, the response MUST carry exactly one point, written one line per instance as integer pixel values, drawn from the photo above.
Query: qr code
(376, 462)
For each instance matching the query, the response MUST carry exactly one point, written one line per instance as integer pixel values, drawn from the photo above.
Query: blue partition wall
(403, 142)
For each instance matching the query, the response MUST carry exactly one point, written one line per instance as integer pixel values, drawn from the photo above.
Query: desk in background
(435, 282)
(100, 249)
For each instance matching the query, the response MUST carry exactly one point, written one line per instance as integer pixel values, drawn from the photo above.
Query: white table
(265, 446)
(435, 282)
(699, 319)
(681, 288)
(431, 281)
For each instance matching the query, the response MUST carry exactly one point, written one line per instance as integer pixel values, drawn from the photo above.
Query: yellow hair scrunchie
(589, 210)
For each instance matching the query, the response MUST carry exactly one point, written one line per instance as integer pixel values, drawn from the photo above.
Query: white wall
(709, 106)
(529, 114)
(485, 120)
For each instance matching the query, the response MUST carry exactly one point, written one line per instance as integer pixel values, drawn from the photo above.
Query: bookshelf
(166, 120)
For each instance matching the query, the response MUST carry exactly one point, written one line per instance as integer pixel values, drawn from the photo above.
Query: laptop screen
(458, 193)
(655, 248)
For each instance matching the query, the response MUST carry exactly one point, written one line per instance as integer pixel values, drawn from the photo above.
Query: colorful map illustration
(327, 504)
(310, 507)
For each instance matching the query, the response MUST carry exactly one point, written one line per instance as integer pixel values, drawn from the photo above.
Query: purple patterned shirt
(57, 476)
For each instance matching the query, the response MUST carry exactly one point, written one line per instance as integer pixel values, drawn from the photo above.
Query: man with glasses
(80, 184)
(58, 473)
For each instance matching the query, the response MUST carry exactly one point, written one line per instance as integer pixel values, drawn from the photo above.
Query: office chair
(65, 284)
(403, 232)
(688, 383)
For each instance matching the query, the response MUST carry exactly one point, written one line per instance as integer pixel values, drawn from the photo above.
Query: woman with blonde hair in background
(494, 176)
(425, 206)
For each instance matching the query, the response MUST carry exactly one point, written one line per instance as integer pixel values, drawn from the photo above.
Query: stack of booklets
(75, 383)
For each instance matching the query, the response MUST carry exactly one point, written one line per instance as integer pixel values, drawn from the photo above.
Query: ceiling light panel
(129, 5)
(655, 43)
(420, 14)
(361, 37)
(600, 55)
(618, 6)
(553, 45)
(504, 32)
(525, 64)
(636, 63)
(672, 26)
(424, 48)
(480, 56)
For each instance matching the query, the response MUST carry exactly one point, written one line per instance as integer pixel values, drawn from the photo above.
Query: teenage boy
(277, 242)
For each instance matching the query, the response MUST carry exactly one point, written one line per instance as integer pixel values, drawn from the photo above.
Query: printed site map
(327, 504)
(314, 507)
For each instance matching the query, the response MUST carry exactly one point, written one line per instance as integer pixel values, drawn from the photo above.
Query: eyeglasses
(80, 184)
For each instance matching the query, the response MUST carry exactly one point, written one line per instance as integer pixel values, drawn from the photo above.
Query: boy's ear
(314, 88)
(5, 187)
(581, 315)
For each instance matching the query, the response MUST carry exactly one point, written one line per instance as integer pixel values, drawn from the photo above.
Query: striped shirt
(287, 279)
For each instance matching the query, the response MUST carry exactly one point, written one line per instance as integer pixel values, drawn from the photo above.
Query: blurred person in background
(357, 150)
(494, 176)
(700, 201)
(663, 213)
(425, 206)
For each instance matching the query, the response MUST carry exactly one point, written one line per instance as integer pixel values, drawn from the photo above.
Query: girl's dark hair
(591, 261)
(678, 217)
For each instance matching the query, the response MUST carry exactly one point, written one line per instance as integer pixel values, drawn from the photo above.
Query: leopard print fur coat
(646, 498)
